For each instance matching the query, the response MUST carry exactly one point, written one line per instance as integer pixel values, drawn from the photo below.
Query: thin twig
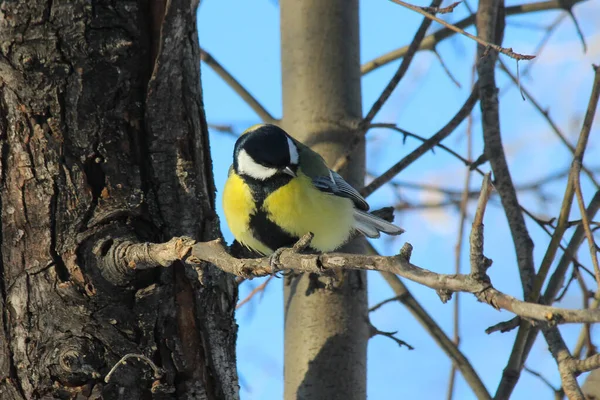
(389, 88)
(558, 393)
(259, 289)
(577, 28)
(373, 331)
(543, 42)
(546, 115)
(586, 222)
(237, 87)
(157, 371)
(384, 302)
(430, 41)
(464, 201)
(441, 10)
(429, 144)
(479, 263)
(584, 335)
(445, 68)
(406, 61)
(504, 50)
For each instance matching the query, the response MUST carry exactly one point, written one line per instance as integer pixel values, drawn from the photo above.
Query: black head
(264, 151)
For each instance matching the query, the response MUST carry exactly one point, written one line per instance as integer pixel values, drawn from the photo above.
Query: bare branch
(259, 289)
(451, 349)
(566, 367)
(445, 68)
(430, 41)
(464, 202)
(584, 334)
(428, 145)
(387, 91)
(493, 147)
(384, 302)
(578, 28)
(504, 50)
(585, 221)
(237, 87)
(150, 255)
(505, 326)
(215, 253)
(422, 139)
(570, 191)
(546, 115)
(558, 393)
(441, 10)
(480, 263)
(525, 336)
(373, 331)
(412, 50)
(157, 371)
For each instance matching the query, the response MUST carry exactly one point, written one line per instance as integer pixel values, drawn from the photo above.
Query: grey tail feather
(370, 225)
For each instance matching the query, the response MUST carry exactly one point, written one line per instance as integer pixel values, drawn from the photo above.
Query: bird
(278, 190)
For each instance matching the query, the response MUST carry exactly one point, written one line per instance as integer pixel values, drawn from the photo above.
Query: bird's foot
(275, 262)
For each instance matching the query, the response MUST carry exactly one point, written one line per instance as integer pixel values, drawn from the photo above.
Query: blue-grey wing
(337, 186)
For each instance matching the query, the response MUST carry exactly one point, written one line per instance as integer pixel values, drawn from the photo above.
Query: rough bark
(325, 321)
(103, 140)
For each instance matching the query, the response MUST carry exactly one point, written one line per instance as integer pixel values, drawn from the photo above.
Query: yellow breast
(238, 205)
(299, 208)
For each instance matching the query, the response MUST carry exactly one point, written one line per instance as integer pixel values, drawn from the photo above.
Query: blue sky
(244, 37)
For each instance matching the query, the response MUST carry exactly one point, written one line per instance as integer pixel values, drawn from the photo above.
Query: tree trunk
(104, 140)
(325, 320)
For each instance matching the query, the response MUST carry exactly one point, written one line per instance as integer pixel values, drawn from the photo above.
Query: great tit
(279, 189)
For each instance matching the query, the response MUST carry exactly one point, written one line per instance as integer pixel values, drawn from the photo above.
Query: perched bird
(278, 190)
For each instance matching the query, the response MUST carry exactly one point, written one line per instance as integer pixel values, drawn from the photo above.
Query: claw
(274, 262)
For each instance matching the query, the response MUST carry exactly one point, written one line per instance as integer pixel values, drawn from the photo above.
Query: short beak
(288, 170)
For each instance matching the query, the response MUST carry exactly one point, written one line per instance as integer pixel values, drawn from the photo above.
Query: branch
(387, 91)
(406, 134)
(464, 202)
(157, 371)
(525, 336)
(214, 252)
(412, 50)
(438, 334)
(504, 50)
(428, 145)
(546, 115)
(259, 289)
(570, 190)
(430, 41)
(558, 393)
(566, 367)
(585, 222)
(480, 263)
(237, 87)
(441, 10)
(373, 331)
(384, 302)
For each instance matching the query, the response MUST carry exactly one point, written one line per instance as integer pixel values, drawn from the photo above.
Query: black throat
(262, 189)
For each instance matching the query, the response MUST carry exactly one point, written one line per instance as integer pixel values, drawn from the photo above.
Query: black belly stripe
(269, 233)
(263, 229)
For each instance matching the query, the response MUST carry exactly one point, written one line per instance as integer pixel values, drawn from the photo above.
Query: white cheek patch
(293, 152)
(247, 166)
